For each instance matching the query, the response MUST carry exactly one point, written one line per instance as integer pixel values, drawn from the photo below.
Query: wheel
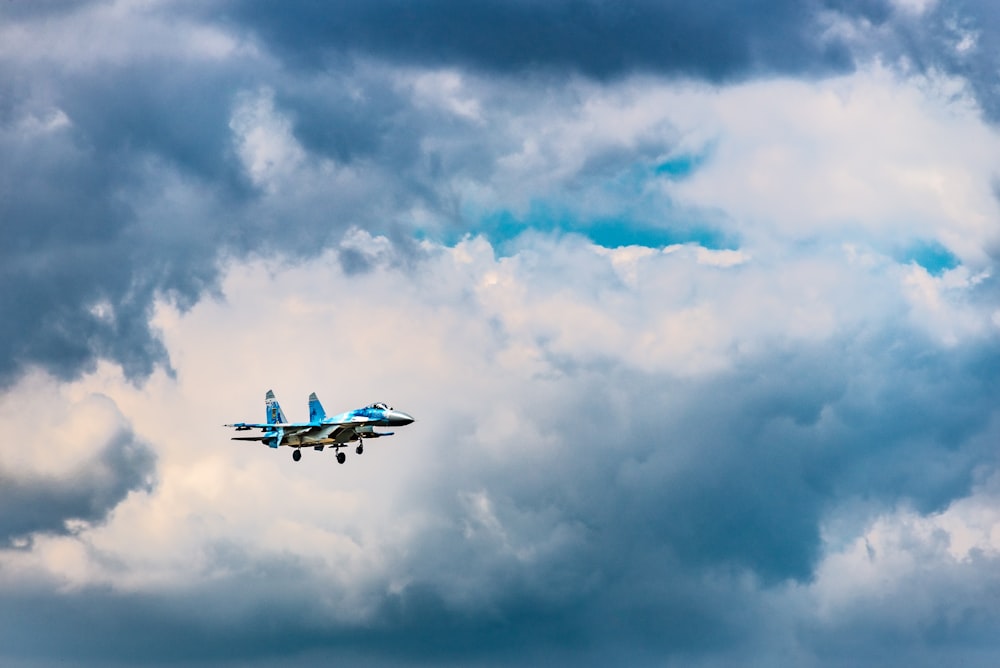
(296, 454)
(359, 449)
(341, 458)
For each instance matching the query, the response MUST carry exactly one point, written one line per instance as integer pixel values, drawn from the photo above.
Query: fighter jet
(322, 431)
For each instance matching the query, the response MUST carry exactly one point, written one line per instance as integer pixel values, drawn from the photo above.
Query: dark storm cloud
(715, 40)
(669, 503)
(30, 504)
(79, 272)
(333, 122)
(94, 228)
(92, 233)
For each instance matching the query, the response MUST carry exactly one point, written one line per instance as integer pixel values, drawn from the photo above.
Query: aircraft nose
(398, 418)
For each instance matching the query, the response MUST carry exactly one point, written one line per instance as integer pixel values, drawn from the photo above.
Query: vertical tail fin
(274, 412)
(316, 412)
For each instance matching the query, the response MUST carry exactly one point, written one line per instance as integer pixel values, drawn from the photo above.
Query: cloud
(86, 138)
(907, 586)
(564, 491)
(807, 40)
(700, 335)
(840, 156)
(165, 149)
(80, 461)
(592, 38)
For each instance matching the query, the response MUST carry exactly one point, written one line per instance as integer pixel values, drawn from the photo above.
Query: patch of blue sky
(931, 255)
(503, 227)
(623, 206)
(681, 166)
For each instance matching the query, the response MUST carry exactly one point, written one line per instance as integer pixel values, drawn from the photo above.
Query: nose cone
(398, 418)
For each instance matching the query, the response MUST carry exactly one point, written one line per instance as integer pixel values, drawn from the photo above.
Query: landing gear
(341, 458)
(296, 454)
(360, 448)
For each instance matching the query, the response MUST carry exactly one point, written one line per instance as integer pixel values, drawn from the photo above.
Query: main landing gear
(341, 457)
(360, 448)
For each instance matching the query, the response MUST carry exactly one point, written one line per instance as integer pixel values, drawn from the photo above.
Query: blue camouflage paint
(321, 431)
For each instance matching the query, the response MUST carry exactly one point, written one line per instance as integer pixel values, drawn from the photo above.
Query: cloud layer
(701, 333)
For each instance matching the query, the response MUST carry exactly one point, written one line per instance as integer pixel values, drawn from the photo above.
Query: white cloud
(874, 157)
(66, 428)
(463, 343)
(904, 563)
(938, 304)
(866, 156)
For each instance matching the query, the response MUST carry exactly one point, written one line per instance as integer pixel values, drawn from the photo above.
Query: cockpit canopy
(380, 406)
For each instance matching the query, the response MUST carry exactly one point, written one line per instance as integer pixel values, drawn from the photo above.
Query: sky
(695, 303)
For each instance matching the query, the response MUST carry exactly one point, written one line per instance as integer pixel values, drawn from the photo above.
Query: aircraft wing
(287, 428)
(242, 426)
(294, 427)
(275, 433)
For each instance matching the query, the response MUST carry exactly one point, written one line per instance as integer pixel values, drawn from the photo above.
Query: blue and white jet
(322, 431)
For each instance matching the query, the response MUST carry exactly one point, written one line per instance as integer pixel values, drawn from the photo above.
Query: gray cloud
(45, 503)
(665, 530)
(123, 183)
(677, 528)
(711, 41)
(714, 42)
(949, 36)
(80, 270)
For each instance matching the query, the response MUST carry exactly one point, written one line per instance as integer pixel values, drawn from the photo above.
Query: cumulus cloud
(80, 461)
(841, 157)
(560, 474)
